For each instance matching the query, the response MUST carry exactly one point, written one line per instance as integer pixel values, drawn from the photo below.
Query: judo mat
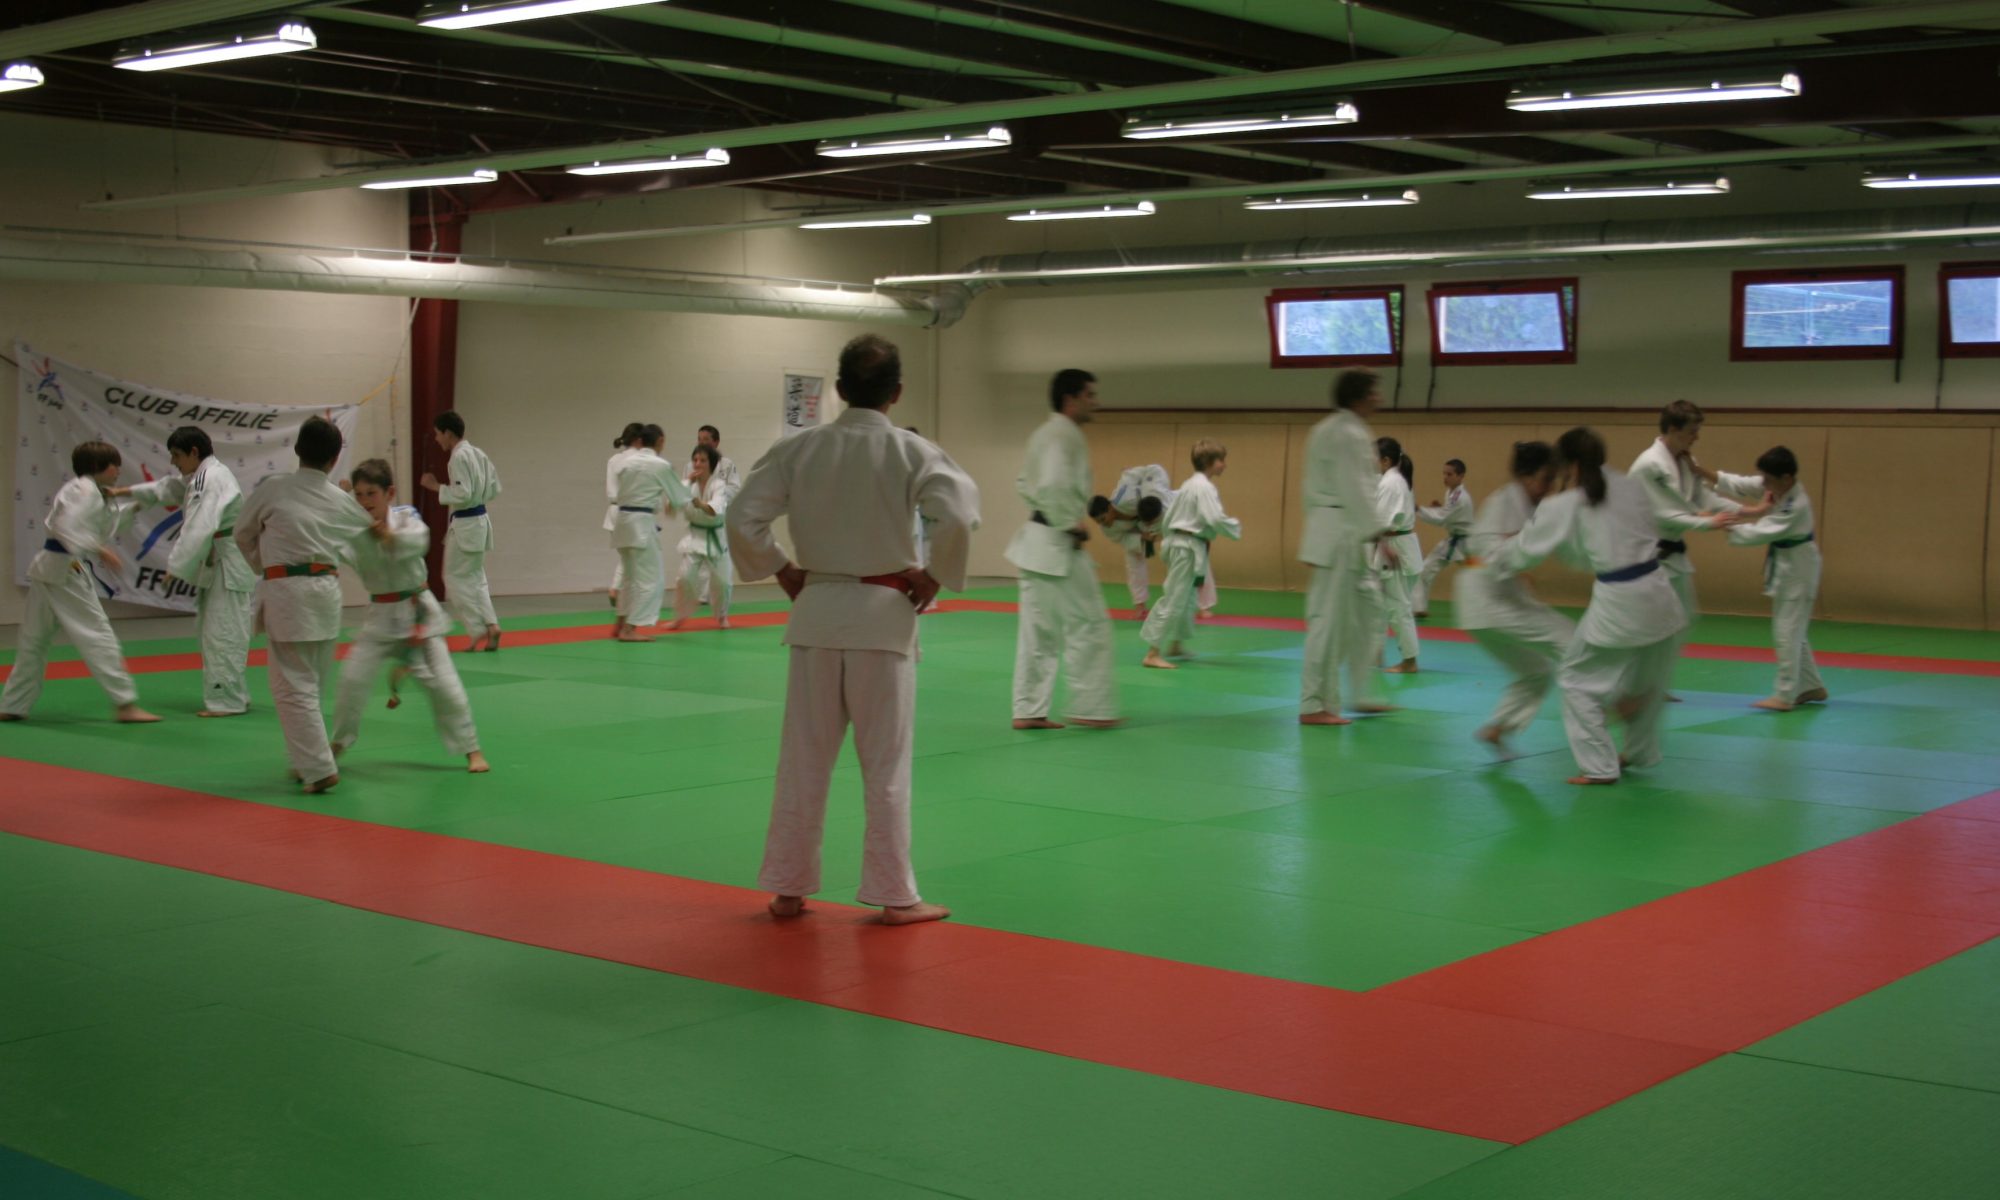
(1212, 953)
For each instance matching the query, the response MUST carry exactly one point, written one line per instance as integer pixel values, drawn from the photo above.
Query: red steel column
(433, 374)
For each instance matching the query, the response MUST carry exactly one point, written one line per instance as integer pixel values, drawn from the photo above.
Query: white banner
(62, 404)
(799, 410)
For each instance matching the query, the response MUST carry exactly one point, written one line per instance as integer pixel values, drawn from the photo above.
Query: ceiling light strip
(199, 49)
(469, 15)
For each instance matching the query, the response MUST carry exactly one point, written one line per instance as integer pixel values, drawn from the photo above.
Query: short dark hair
(449, 422)
(632, 431)
(1679, 415)
(871, 369)
(1070, 381)
(375, 471)
(191, 438)
(89, 458)
(1205, 453)
(710, 453)
(1778, 460)
(1099, 505)
(319, 443)
(650, 436)
(1456, 464)
(1150, 508)
(1352, 387)
(712, 432)
(1532, 458)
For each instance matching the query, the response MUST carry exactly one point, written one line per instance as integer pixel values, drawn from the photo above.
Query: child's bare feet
(1323, 718)
(1591, 781)
(1773, 704)
(619, 627)
(319, 786)
(632, 634)
(722, 622)
(1407, 667)
(1036, 723)
(914, 914)
(132, 714)
(673, 624)
(476, 763)
(787, 906)
(1813, 696)
(1154, 660)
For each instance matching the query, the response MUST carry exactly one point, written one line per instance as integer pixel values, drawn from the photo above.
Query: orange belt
(295, 569)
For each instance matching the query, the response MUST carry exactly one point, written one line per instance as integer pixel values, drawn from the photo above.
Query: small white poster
(800, 409)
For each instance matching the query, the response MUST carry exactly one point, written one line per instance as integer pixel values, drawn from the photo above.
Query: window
(1336, 326)
(1854, 312)
(1506, 321)
(1969, 301)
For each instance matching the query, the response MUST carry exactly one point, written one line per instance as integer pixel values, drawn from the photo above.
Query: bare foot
(1179, 651)
(132, 714)
(614, 597)
(787, 906)
(209, 712)
(630, 636)
(673, 624)
(1144, 610)
(1205, 614)
(1375, 709)
(914, 914)
(1590, 781)
(1036, 723)
(493, 638)
(1407, 667)
(337, 751)
(12, 717)
(1154, 661)
(1097, 723)
(1495, 739)
(318, 786)
(1773, 704)
(476, 763)
(1323, 718)
(1814, 696)
(722, 622)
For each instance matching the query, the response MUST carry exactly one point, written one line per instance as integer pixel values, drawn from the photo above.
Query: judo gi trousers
(1343, 617)
(72, 605)
(430, 665)
(1172, 619)
(1595, 681)
(1532, 661)
(1141, 587)
(1450, 550)
(1791, 617)
(1396, 604)
(1683, 582)
(700, 573)
(466, 592)
(1063, 623)
(876, 692)
(645, 584)
(222, 623)
(297, 673)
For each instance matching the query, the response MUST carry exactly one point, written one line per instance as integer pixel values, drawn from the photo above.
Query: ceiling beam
(131, 21)
(1494, 22)
(1170, 29)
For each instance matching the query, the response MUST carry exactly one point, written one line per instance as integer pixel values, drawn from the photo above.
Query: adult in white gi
(1063, 618)
(293, 531)
(1398, 561)
(1623, 652)
(62, 589)
(473, 484)
(622, 449)
(1507, 619)
(1454, 514)
(646, 484)
(204, 555)
(1783, 525)
(1337, 540)
(849, 488)
(1193, 520)
(404, 625)
(1681, 500)
(705, 548)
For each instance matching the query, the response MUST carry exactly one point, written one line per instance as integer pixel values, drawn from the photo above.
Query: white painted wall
(262, 347)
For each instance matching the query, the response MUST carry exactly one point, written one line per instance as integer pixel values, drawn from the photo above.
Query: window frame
(1947, 348)
(1394, 303)
(1572, 313)
(1741, 281)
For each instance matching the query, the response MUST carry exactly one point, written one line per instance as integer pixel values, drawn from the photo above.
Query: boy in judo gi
(1193, 520)
(1397, 561)
(622, 448)
(1783, 524)
(1453, 513)
(471, 486)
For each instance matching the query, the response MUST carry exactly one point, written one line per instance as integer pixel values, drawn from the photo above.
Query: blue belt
(1672, 547)
(477, 510)
(1627, 574)
(633, 508)
(54, 545)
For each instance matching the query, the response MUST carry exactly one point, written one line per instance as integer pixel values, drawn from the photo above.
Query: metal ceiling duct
(61, 257)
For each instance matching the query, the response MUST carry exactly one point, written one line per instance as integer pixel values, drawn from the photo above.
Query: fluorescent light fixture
(1963, 177)
(1148, 126)
(20, 76)
(981, 137)
(477, 175)
(469, 14)
(1143, 208)
(673, 162)
(255, 42)
(1354, 200)
(1585, 189)
(870, 222)
(1701, 89)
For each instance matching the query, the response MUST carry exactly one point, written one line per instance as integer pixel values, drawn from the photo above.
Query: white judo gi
(1131, 534)
(1504, 617)
(1791, 577)
(850, 487)
(1193, 520)
(1623, 652)
(645, 483)
(1455, 515)
(705, 552)
(1678, 496)
(473, 485)
(293, 530)
(1396, 508)
(204, 554)
(1063, 620)
(618, 459)
(404, 626)
(63, 591)
(1343, 598)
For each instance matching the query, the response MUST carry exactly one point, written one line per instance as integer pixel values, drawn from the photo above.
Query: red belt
(900, 582)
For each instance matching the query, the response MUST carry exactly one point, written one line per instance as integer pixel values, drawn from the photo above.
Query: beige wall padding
(1908, 506)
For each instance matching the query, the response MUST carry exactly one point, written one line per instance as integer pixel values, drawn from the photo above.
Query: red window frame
(1947, 348)
(1742, 280)
(1394, 306)
(1440, 357)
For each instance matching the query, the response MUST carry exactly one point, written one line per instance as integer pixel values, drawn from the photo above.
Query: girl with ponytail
(1396, 505)
(1623, 652)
